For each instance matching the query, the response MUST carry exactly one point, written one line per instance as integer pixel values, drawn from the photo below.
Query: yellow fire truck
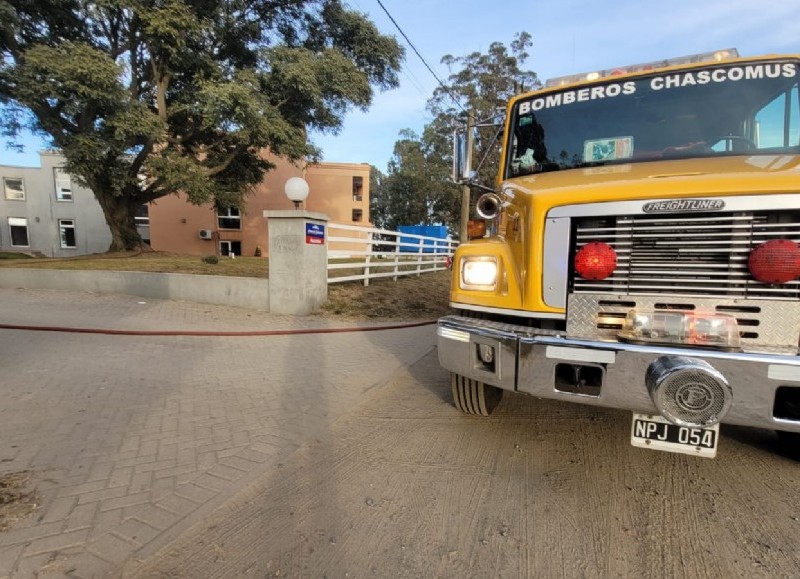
(646, 252)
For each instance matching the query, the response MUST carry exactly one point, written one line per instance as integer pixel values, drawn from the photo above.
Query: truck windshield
(721, 110)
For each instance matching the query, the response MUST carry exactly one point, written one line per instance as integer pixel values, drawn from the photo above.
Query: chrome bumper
(536, 362)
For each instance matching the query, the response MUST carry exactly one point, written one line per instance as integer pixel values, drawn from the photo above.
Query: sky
(569, 36)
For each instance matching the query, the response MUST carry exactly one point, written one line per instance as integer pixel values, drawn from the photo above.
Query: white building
(43, 210)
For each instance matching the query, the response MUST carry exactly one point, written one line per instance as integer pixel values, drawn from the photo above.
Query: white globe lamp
(296, 189)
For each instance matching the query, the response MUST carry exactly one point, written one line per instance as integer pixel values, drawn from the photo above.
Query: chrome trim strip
(783, 372)
(666, 350)
(556, 262)
(452, 334)
(732, 203)
(580, 355)
(507, 312)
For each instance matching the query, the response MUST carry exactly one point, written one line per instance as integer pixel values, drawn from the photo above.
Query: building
(44, 211)
(339, 190)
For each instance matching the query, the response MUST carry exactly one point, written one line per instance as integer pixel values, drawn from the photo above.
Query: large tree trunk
(119, 213)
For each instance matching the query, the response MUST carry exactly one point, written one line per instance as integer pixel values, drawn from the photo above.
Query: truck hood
(739, 175)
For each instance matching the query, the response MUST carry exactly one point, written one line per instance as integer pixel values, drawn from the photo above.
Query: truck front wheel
(474, 397)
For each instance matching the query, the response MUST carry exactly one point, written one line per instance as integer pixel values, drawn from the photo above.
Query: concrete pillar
(298, 261)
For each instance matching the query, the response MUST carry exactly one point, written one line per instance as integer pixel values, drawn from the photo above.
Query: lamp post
(296, 189)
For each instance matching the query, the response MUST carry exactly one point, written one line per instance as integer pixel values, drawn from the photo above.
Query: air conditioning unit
(206, 233)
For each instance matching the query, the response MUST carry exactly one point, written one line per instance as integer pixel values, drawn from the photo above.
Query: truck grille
(687, 255)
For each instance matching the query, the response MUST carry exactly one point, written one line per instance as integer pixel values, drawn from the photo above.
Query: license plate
(657, 433)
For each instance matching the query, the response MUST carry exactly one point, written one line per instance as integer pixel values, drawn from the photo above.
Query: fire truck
(644, 251)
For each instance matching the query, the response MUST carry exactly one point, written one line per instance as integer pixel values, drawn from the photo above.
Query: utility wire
(412, 79)
(414, 48)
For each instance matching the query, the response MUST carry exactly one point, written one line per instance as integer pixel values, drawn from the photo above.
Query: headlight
(479, 273)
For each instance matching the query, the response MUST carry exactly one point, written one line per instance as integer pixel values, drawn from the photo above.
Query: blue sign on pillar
(315, 234)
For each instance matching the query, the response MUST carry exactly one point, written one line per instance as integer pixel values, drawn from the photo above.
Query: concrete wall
(43, 211)
(240, 292)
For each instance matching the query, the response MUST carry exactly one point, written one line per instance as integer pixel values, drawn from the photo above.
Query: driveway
(132, 439)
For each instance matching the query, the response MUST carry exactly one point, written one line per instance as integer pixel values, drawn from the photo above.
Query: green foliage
(149, 97)
(481, 84)
(417, 188)
(211, 259)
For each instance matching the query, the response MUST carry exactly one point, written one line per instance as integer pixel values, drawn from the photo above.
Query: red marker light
(595, 261)
(776, 261)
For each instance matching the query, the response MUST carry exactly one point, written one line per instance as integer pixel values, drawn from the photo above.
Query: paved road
(239, 457)
(133, 439)
(405, 486)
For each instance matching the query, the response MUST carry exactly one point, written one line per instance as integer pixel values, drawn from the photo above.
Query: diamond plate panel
(763, 323)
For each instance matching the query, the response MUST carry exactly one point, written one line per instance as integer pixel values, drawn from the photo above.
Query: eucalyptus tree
(146, 98)
(405, 193)
(417, 188)
(479, 85)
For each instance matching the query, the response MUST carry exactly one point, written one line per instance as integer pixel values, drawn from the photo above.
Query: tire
(474, 397)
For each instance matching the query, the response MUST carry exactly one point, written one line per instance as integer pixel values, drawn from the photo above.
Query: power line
(414, 48)
(412, 79)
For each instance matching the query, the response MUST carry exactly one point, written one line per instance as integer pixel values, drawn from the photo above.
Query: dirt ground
(409, 298)
(406, 486)
(17, 500)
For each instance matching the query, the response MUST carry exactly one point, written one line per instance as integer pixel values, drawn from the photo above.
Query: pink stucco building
(339, 190)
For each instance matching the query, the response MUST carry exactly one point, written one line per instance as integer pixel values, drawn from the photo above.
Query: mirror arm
(476, 185)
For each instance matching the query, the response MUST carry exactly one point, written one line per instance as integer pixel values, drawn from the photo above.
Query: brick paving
(131, 440)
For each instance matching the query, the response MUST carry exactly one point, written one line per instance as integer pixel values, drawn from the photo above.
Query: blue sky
(569, 36)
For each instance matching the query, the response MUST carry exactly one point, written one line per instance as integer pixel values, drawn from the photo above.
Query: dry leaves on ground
(409, 298)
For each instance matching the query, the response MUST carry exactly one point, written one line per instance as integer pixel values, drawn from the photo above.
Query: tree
(478, 83)
(146, 98)
(376, 197)
(481, 84)
(410, 192)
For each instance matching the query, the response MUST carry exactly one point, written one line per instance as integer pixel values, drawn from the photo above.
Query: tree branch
(240, 148)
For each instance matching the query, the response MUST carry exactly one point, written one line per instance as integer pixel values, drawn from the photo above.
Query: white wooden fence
(357, 253)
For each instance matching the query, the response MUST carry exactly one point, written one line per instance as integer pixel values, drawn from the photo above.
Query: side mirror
(462, 157)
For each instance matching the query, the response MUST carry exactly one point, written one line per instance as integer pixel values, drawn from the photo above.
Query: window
(15, 188)
(358, 188)
(141, 214)
(229, 248)
(746, 109)
(63, 185)
(66, 230)
(18, 227)
(777, 123)
(229, 218)
(358, 214)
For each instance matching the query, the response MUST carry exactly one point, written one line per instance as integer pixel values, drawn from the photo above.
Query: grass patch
(154, 262)
(14, 255)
